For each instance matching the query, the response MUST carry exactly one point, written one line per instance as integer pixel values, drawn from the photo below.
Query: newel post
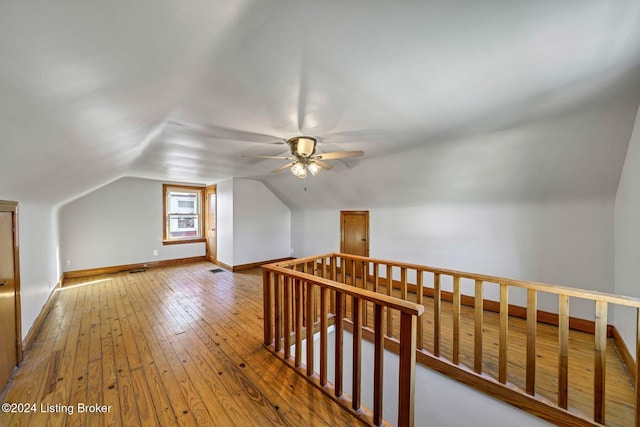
(407, 376)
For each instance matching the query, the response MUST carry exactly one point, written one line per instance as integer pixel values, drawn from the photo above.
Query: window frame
(166, 215)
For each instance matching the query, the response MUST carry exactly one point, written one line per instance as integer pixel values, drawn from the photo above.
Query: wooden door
(9, 293)
(354, 235)
(211, 223)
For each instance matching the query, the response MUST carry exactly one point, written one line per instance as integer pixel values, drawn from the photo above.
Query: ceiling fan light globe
(299, 170)
(314, 168)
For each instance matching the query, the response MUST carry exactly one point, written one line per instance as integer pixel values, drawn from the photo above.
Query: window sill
(181, 242)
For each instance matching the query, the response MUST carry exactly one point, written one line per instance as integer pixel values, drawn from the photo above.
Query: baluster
(378, 364)
(389, 292)
(504, 327)
(287, 317)
(356, 377)
(478, 335)
(334, 276)
(267, 278)
(352, 264)
(365, 306)
(324, 314)
(298, 325)
(532, 324)
(376, 277)
(407, 373)
(403, 283)
(637, 373)
(436, 314)
(310, 340)
(563, 356)
(278, 312)
(600, 362)
(419, 294)
(339, 328)
(456, 320)
(343, 270)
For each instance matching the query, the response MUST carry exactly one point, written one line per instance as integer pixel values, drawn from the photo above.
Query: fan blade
(323, 165)
(221, 132)
(269, 157)
(281, 168)
(339, 155)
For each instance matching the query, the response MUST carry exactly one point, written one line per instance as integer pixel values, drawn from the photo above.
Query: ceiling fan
(304, 158)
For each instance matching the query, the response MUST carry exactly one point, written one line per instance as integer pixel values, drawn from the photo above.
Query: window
(182, 214)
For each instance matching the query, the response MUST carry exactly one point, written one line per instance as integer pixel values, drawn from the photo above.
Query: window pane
(183, 203)
(183, 226)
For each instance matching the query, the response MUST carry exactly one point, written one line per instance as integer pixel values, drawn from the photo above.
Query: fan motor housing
(302, 146)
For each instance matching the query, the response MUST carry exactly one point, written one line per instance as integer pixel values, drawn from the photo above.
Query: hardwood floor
(181, 346)
(166, 347)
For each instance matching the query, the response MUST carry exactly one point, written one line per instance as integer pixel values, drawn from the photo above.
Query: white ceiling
(450, 100)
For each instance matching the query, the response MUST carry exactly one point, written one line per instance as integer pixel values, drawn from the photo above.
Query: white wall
(627, 238)
(224, 219)
(566, 243)
(261, 223)
(254, 225)
(39, 267)
(118, 224)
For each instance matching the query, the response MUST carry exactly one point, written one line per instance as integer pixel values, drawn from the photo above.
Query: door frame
(342, 215)
(210, 189)
(7, 206)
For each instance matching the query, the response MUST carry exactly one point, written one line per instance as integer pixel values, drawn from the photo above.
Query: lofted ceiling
(450, 100)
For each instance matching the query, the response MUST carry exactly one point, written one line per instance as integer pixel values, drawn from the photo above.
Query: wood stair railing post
(532, 322)
(288, 285)
(277, 300)
(267, 307)
(503, 345)
(456, 321)
(324, 344)
(599, 372)
(356, 367)
(310, 318)
(339, 328)
(407, 375)
(637, 373)
(563, 351)
(378, 364)
(478, 335)
(436, 314)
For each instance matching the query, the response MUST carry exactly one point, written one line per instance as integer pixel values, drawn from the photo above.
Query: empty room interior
(320, 213)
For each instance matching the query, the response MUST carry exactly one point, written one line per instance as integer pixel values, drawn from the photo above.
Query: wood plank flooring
(182, 346)
(178, 346)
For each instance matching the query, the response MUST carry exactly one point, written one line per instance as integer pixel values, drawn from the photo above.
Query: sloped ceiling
(467, 100)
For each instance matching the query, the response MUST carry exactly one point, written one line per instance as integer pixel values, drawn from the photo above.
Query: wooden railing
(364, 278)
(298, 303)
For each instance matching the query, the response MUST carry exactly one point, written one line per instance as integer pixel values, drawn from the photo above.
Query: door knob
(4, 283)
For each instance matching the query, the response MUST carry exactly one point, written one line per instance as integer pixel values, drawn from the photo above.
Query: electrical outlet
(155, 252)
(67, 262)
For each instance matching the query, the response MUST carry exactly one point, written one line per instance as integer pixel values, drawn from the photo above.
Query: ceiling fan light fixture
(299, 170)
(314, 168)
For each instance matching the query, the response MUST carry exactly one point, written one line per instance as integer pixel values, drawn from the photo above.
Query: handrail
(360, 274)
(291, 305)
(539, 286)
